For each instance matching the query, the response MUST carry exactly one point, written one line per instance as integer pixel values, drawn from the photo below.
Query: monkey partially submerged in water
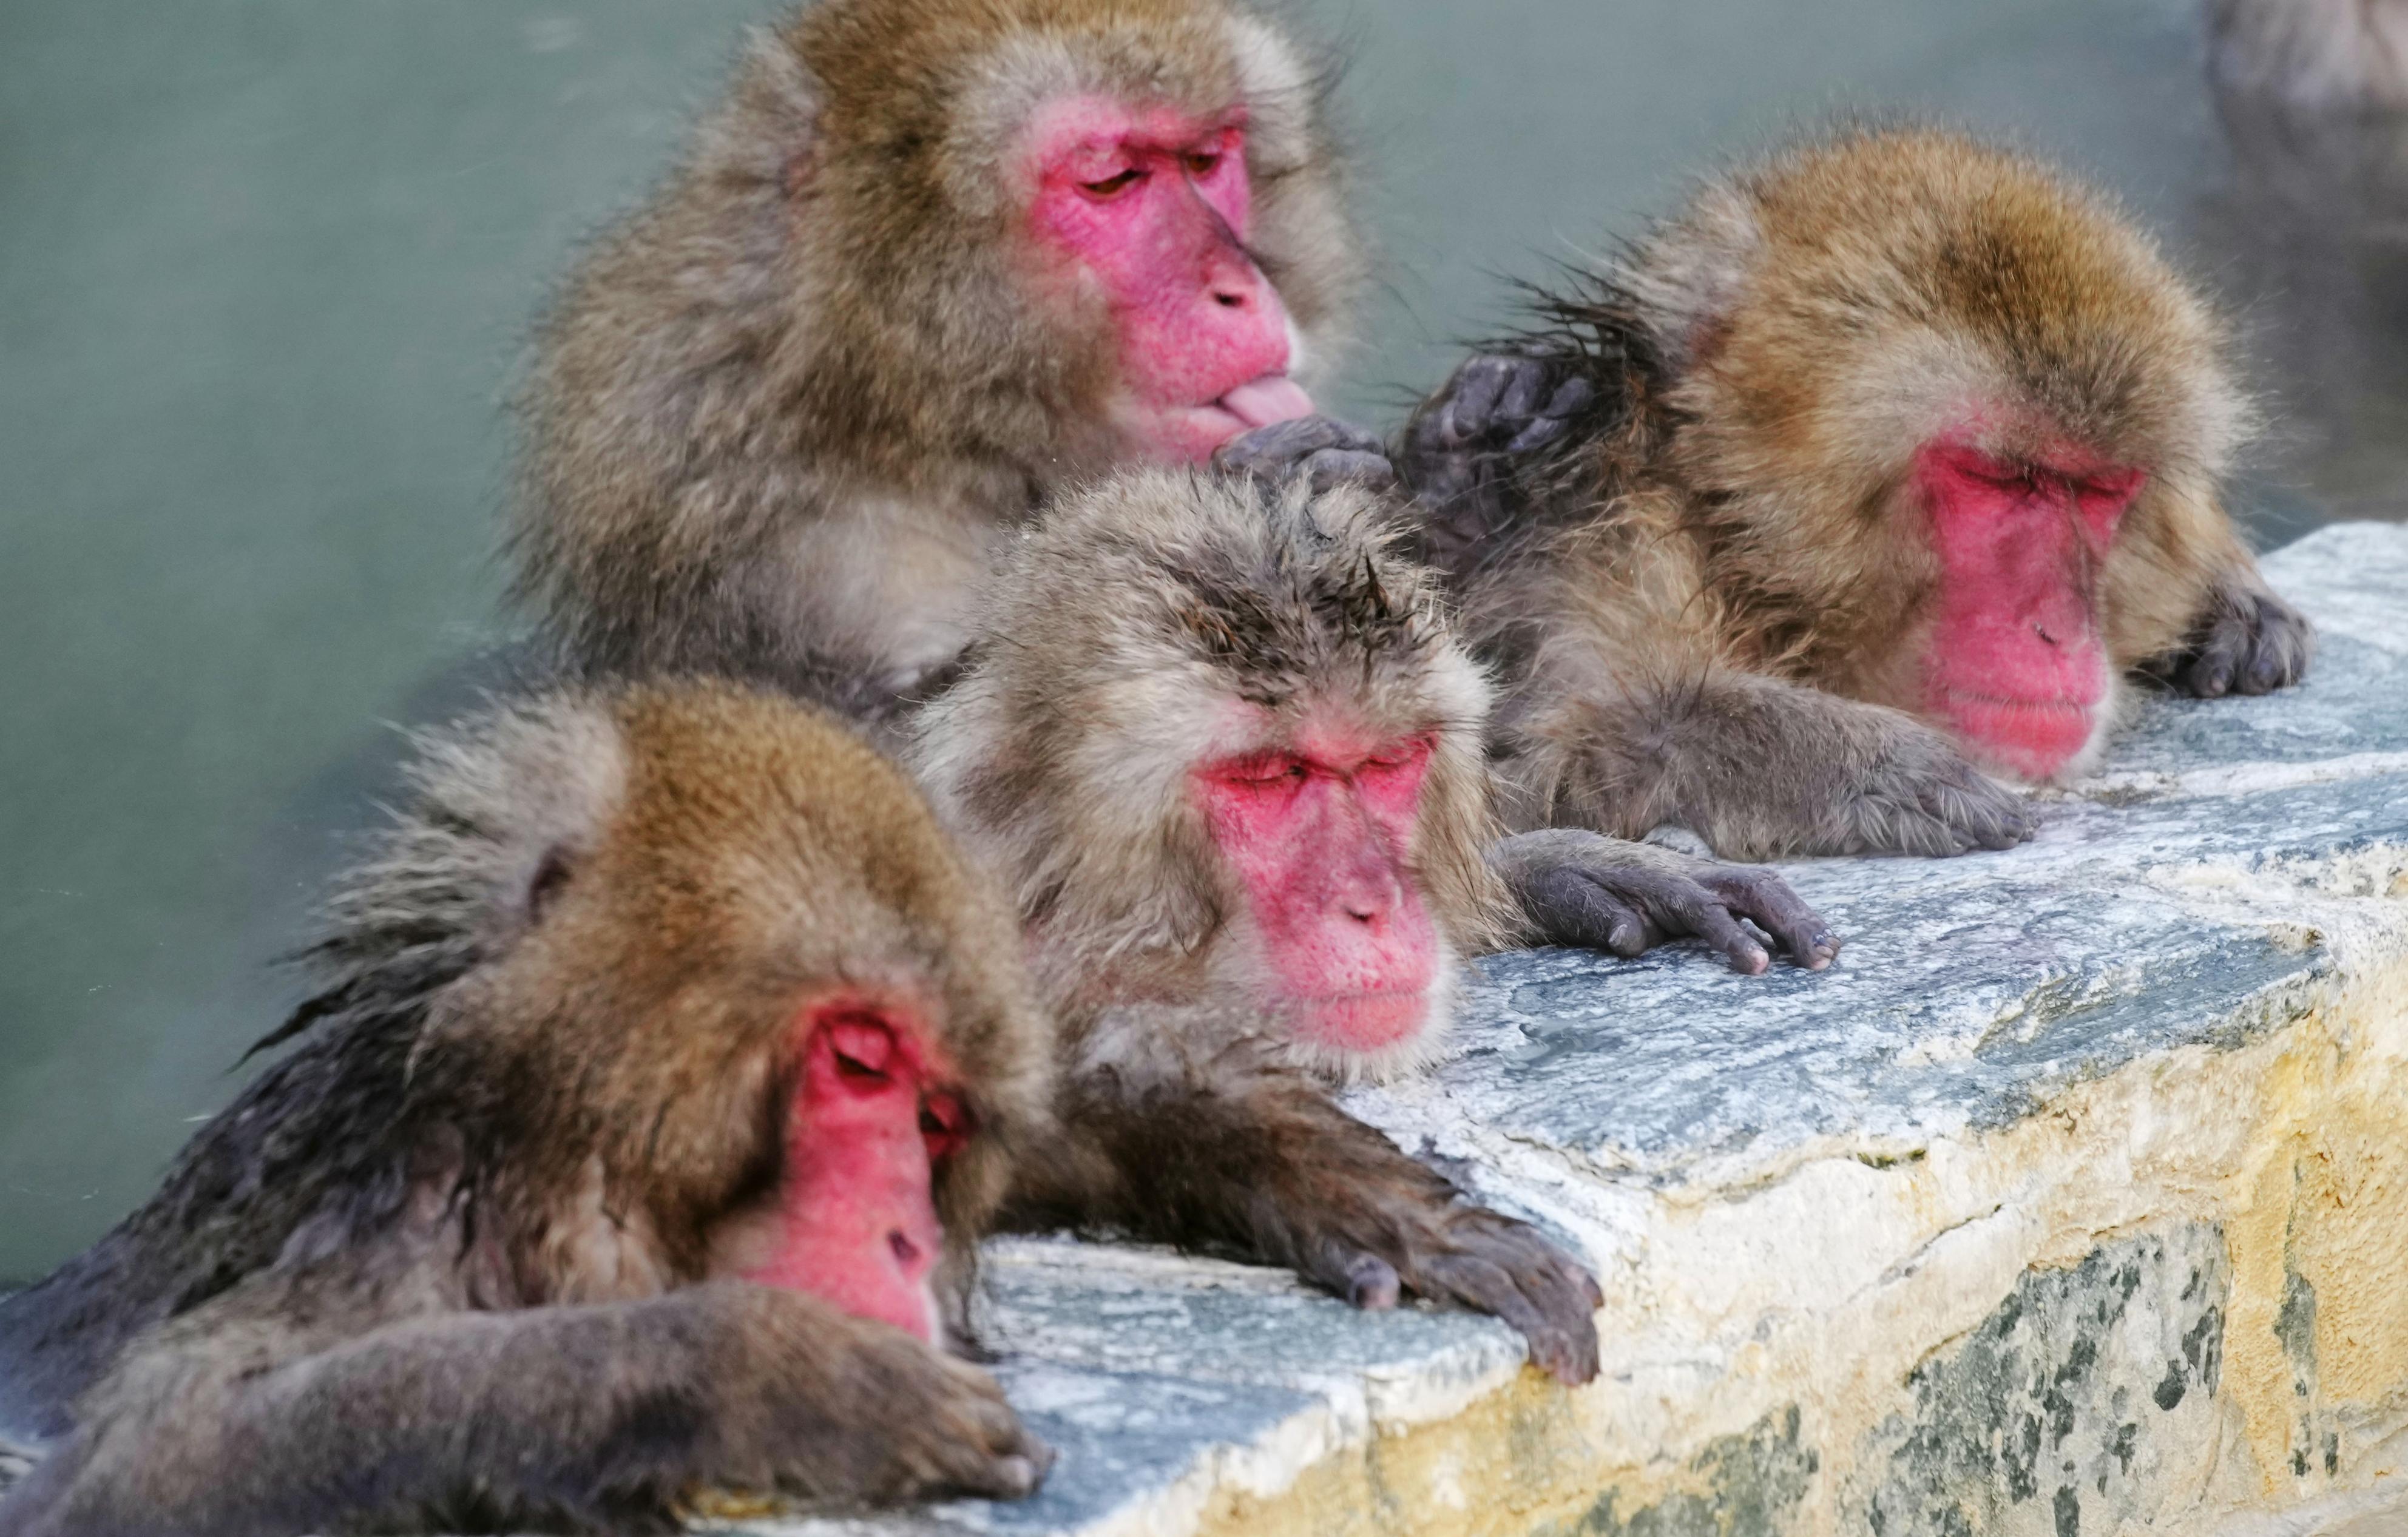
(666, 1062)
(1875, 470)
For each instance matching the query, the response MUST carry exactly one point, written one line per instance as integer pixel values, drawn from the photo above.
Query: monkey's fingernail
(1751, 960)
(1545, 430)
(1372, 1284)
(1017, 1473)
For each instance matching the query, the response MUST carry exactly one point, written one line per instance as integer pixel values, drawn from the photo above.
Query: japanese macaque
(667, 1060)
(1870, 476)
(932, 259)
(2344, 55)
(1219, 740)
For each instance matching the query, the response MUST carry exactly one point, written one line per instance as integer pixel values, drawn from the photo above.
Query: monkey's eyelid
(1112, 186)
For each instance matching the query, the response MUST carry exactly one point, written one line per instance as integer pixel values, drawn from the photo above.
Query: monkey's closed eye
(1403, 755)
(863, 1048)
(1112, 186)
(1275, 771)
(944, 1125)
(2000, 474)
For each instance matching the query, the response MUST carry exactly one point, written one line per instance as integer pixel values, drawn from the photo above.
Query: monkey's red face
(856, 1219)
(1319, 836)
(1153, 207)
(2016, 661)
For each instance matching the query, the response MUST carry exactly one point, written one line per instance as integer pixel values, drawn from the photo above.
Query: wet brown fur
(1727, 526)
(780, 416)
(448, 1260)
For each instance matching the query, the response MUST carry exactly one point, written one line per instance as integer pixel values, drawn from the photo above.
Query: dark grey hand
(2249, 641)
(1328, 450)
(1584, 888)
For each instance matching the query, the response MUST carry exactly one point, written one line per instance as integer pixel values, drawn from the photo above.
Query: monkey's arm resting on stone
(2246, 641)
(1584, 889)
(1229, 1148)
(610, 1417)
(1756, 767)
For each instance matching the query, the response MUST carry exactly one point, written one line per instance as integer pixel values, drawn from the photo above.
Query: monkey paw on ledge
(2074, 1200)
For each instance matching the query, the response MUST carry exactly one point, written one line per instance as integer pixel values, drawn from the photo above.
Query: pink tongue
(1273, 397)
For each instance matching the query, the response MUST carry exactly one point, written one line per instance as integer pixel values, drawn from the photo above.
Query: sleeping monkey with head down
(667, 1063)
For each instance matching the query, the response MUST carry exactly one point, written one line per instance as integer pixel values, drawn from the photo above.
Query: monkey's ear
(510, 807)
(775, 115)
(1695, 294)
(552, 876)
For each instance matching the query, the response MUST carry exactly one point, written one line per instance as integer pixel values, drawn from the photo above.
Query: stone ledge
(2074, 1199)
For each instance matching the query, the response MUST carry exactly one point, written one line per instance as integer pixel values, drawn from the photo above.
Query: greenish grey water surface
(265, 271)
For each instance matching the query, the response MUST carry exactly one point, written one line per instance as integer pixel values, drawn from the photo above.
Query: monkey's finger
(1538, 435)
(1570, 908)
(1558, 1284)
(1767, 899)
(1471, 398)
(1701, 912)
(974, 1442)
(1372, 1285)
(1364, 1279)
(1571, 398)
(1564, 1347)
(2282, 640)
(1519, 401)
(1339, 467)
(1555, 419)
(1347, 436)
(2211, 671)
(2264, 673)
(1278, 450)
(1976, 811)
(1008, 1476)
(2211, 676)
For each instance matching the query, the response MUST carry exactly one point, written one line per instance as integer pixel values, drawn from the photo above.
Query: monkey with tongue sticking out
(931, 261)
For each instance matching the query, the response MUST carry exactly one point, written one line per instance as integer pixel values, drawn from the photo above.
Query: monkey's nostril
(907, 1253)
(2042, 630)
(1231, 301)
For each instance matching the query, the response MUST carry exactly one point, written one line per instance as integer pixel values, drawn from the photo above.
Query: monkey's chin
(2029, 739)
(1367, 1021)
